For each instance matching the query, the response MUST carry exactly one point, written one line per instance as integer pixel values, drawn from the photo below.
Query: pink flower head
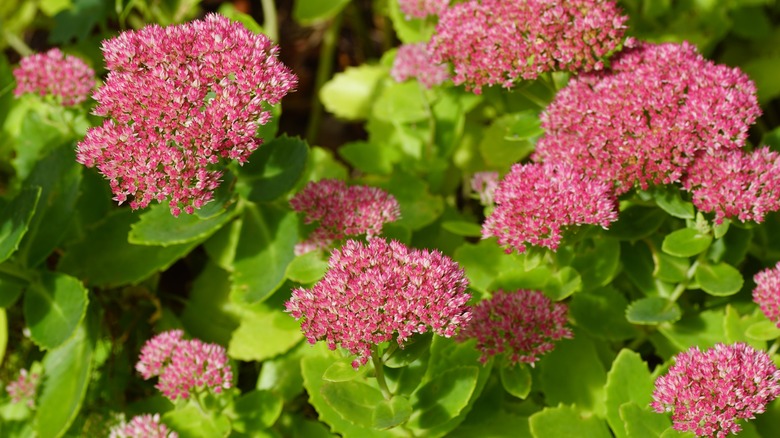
(485, 185)
(422, 8)
(643, 121)
(56, 74)
(179, 101)
(493, 42)
(767, 293)
(23, 389)
(707, 392)
(414, 62)
(143, 426)
(536, 202)
(373, 292)
(184, 365)
(342, 211)
(736, 184)
(523, 325)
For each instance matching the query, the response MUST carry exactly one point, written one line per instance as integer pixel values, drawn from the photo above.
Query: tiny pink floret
(142, 426)
(645, 120)
(342, 211)
(498, 42)
(484, 185)
(536, 203)
(180, 101)
(413, 61)
(707, 392)
(56, 74)
(184, 365)
(735, 184)
(24, 388)
(522, 325)
(375, 292)
(422, 8)
(767, 293)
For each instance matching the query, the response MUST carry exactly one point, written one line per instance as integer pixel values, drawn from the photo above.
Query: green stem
(684, 284)
(270, 21)
(14, 274)
(773, 349)
(324, 70)
(379, 371)
(17, 44)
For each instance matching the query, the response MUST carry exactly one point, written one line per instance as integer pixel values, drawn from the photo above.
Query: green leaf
(391, 413)
(763, 331)
(597, 261)
(400, 103)
(563, 283)
(9, 292)
(67, 371)
(265, 248)
(720, 280)
(221, 246)
(669, 199)
(307, 268)
(274, 169)
(409, 30)
(105, 258)
(463, 228)
(628, 380)
(280, 333)
(566, 421)
(442, 398)
(191, 421)
(230, 11)
(642, 422)
(653, 311)
(53, 308)
(686, 242)
(209, 315)
(636, 223)
(78, 21)
(342, 371)
(500, 146)
(59, 177)
(354, 401)
(703, 329)
(638, 265)
(255, 410)
(370, 157)
(15, 219)
(602, 313)
(671, 268)
(158, 227)
(321, 164)
(418, 206)
(516, 379)
(413, 349)
(585, 388)
(282, 374)
(3, 333)
(762, 71)
(312, 368)
(735, 327)
(484, 261)
(349, 94)
(307, 12)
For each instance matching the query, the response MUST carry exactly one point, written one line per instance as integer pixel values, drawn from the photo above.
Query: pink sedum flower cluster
(523, 325)
(497, 42)
(180, 100)
(342, 211)
(184, 365)
(422, 8)
(535, 203)
(376, 291)
(736, 184)
(23, 389)
(413, 61)
(57, 74)
(484, 185)
(767, 293)
(645, 120)
(142, 426)
(707, 392)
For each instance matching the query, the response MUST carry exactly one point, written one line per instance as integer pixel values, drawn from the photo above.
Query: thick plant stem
(324, 70)
(379, 371)
(270, 21)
